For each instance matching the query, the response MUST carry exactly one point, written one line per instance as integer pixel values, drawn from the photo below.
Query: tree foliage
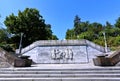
(54, 37)
(3, 35)
(4, 39)
(94, 32)
(117, 24)
(77, 25)
(29, 22)
(70, 34)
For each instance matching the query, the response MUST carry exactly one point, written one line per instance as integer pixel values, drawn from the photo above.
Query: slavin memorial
(62, 51)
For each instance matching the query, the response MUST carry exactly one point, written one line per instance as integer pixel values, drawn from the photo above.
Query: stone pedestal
(110, 60)
(23, 62)
(102, 60)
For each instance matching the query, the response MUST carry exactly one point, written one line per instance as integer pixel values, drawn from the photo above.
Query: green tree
(54, 37)
(4, 39)
(86, 35)
(3, 35)
(77, 22)
(31, 24)
(117, 24)
(97, 27)
(94, 32)
(108, 25)
(70, 34)
(48, 31)
(80, 26)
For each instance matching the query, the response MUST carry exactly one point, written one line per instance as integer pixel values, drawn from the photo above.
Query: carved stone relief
(57, 54)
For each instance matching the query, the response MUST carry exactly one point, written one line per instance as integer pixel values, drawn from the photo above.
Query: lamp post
(20, 45)
(105, 42)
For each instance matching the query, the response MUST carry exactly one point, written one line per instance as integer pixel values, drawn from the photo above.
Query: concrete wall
(64, 51)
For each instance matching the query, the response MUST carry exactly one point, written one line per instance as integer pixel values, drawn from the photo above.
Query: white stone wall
(62, 54)
(62, 51)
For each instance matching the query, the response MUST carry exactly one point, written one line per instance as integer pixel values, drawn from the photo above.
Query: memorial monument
(62, 51)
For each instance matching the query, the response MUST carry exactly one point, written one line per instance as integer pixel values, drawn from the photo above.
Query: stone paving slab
(59, 79)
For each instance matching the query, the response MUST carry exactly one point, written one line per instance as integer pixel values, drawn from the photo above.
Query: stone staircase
(60, 74)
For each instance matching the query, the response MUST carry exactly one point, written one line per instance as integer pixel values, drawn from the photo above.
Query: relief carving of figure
(62, 54)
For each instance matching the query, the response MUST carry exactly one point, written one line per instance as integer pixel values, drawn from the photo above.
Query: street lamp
(106, 50)
(20, 45)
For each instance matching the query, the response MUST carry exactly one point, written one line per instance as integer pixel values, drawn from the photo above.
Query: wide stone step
(59, 79)
(60, 72)
(57, 75)
(82, 69)
(81, 74)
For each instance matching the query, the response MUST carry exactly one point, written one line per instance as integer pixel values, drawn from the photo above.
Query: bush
(7, 47)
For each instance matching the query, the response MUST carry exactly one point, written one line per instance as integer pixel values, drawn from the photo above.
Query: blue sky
(60, 13)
